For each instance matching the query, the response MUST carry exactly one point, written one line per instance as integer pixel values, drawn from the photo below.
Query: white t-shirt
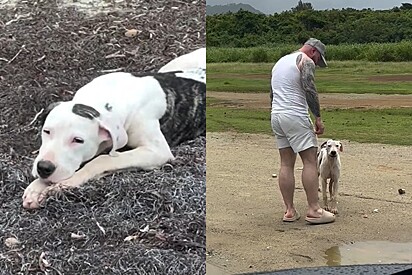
(288, 94)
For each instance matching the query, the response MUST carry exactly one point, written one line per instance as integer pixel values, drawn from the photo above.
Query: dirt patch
(390, 78)
(262, 100)
(47, 53)
(244, 206)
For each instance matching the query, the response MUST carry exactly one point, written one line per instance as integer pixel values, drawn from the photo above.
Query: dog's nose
(333, 153)
(45, 168)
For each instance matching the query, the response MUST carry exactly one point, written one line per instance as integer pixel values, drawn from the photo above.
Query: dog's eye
(78, 140)
(47, 132)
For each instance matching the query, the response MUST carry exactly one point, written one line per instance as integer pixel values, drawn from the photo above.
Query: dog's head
(333, 147)
(71, 135)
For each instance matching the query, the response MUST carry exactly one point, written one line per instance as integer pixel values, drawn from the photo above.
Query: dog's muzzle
(45, 168)
(333, 154)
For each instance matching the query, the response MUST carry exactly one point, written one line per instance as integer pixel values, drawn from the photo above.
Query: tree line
(336, 26)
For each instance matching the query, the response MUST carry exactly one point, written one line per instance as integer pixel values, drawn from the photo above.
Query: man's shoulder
(287, 60)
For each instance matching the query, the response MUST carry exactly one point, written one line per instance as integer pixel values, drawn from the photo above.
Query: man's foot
(321, 217)
(291, 217)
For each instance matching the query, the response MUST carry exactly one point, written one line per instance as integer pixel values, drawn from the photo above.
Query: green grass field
(339, 77)
(390, 126)
(387, 126)
(395, 52)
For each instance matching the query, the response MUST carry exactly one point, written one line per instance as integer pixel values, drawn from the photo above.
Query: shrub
(385, 52)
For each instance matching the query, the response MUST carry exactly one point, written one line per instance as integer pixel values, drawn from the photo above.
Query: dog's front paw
(50, 191)
(334, 210)
(32, 195)
(58, 188)
(75, 181)
(331, 208)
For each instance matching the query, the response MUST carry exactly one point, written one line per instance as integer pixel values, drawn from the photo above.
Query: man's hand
(319, 128)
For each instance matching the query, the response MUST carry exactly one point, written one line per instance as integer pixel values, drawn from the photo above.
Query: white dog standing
(146, 113)
(329, 168)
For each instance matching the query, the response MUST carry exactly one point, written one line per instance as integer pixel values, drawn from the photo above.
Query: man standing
(293, 93)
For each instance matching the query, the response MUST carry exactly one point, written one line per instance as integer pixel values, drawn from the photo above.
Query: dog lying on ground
(329, 168)
(147, 113)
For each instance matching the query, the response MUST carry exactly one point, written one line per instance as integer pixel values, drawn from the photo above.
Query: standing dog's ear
(115, 129)
(323, 145)
(341, 146)
(42, 115)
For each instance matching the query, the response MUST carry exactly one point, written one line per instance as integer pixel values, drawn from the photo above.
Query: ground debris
(11, 242)
(401, 191)
(46, 54)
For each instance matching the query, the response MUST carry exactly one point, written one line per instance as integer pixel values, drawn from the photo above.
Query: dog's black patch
(319, 159)
(85, 111)
(108, 107)
(185, 116)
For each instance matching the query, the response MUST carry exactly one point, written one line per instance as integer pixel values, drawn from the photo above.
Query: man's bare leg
(287, 179)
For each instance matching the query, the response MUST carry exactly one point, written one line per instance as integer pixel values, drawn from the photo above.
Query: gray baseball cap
(321, 48)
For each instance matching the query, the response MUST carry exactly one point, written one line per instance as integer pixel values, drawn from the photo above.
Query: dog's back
(194, 59)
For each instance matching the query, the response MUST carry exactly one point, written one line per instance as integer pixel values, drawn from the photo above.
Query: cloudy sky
(272, 6)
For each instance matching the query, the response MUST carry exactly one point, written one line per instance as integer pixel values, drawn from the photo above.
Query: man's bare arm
(308, 84)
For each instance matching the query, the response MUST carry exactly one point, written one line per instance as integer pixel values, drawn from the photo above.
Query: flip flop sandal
(293, 218)
(326, 217)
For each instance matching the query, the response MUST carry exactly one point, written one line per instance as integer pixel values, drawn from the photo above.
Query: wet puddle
(370, 252)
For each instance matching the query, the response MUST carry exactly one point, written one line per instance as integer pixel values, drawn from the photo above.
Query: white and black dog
(147, 113)
(329, 167)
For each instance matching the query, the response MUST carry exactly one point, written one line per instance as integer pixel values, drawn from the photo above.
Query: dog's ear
(341, 146)
(113, 128)
(110, 126)
(323, 145)
(42, 115)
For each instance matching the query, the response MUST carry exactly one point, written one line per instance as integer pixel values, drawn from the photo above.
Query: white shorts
(293, 131)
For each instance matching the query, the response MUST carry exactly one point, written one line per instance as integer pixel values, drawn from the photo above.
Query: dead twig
(115, 55)
(111, 70)
(35, 117)
(17, 54)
